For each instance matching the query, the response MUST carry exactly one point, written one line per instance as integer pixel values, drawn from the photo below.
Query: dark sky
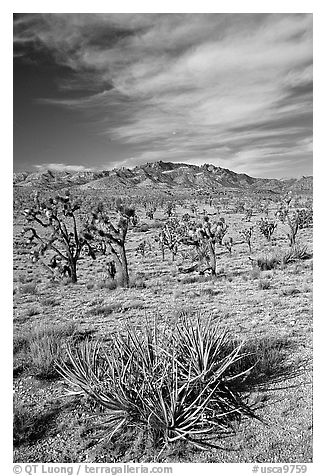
(50, 133)
(96, 91)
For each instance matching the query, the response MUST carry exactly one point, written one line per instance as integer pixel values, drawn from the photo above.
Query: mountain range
(163, 177)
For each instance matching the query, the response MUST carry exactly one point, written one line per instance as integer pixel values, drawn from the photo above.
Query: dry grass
(276, 311)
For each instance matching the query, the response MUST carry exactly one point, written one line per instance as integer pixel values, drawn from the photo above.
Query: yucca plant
(297, 252)
(176, 383)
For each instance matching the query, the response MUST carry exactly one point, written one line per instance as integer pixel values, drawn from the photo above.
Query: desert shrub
(104, 310)
(20, 343)
(22, 278)
(155, 225)
(254, 273)
(28, 288)
(108, 283)
(274, 260)
(201, 278)
(90, 285)
(30, 425)
(210, 291)
(133, 304)
(297, 252)
(50, 301)
(32, 311)
(45, 345)
(24, 425)
(174, 383)
(264, 284)
(266, 263)
(137, 281)
(291, 291)
(270, 363)
(144, 227)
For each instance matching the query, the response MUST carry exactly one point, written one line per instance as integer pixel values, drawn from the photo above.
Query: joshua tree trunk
(212, 257)
(163, 254)
(124, 267)
(73, 269)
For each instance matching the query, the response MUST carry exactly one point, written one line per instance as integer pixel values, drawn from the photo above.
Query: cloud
(187, 86)
(63, 168)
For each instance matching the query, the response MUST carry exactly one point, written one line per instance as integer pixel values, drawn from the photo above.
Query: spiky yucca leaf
(297, 252)
(178, 383)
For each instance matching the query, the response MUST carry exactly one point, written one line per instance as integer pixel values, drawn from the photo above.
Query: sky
(98, 91)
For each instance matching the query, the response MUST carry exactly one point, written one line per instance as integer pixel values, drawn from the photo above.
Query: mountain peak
(161, 176)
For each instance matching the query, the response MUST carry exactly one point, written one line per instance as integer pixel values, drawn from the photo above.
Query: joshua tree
(204, 237)
(150, 209)
(305, 217)
(267, 228)
(170, 236)
(220, 229)
(193, 209)
(141, 248)
(57, 217)
(248, 214)
(247, 235)
(227, 243)
(150, 214)
(293, 224)
(185, 218)
(284, 208)
(296, 219)
(101, 230)
(112, 270)
(169, 209)
(239, 207)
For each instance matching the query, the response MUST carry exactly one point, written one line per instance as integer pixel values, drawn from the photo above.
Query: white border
(139, 6)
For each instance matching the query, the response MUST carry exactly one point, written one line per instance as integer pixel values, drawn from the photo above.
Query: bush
(172, 383)
(28, 288)
(104, 310)
(137, 281)
(264, 284)
(143, 228)
(30, 426)
(296, 253)
(266, 263)
(107, 283)
(268, 360)
(291, 291)
(45, 346)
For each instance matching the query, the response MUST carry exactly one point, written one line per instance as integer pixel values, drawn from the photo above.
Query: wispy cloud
(232, 89)
(63, 168)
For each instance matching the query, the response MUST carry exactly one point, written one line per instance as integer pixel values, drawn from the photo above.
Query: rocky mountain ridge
(161, 176)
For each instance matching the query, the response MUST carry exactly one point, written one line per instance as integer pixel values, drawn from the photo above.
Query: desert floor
(249, 303)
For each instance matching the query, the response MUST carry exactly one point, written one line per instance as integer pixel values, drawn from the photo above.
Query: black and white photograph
(163, 239)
